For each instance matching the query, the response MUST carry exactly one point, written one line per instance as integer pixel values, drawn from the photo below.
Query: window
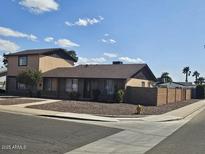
(143, 84)
(68, 86)
(21, 86)
(75, 85)
(22, 60)
(110, 87)
(71, 85)
(47, 85)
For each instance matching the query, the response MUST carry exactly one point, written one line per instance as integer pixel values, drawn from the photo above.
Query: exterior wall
(11, 84)
(161, 96)
(155, 96)
(14, 69)
(140, 95)
(132, 82)
(170, 95)
(47, 63)
(178, 95)
(188, 94)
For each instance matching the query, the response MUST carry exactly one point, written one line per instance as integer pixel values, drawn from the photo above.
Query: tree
(5, 60)
(30, 78)
(165, 78)
(187, 72)
(73, 55)
(196, 74)
(201, 80)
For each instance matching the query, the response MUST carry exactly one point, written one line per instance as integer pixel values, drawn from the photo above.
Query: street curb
(37, 112)
(170, 116)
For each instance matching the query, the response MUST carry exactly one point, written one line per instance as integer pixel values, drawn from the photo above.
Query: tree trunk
(186, 77)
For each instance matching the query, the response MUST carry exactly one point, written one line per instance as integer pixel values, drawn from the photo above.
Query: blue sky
(166, 34)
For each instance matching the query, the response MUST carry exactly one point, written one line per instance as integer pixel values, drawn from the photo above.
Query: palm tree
(201, 80)
(187, 72)
(165, 77)
(196, 74)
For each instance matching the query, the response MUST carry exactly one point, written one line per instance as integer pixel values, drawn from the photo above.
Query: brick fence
(156, 96)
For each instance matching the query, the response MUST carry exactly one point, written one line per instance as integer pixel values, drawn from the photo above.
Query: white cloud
(85, 21)
(68, 23)
(40, 6)
(131, 60)
(106, 34)
(110, 55)
(8, 46)
(109, 41)
(112, 41)
(104, 41)
(66, 43)
(84, 60)
(4, 31)
(48, 39)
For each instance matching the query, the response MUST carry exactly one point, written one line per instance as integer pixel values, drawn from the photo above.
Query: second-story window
(22, 60)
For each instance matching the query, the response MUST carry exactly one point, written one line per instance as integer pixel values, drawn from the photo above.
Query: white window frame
(110, 87)
(22, 60)
(71, 85)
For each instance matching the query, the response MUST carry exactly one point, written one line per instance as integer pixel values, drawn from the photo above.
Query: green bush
(200, 91)
(119, 96)
(96, 94)
(74, 95)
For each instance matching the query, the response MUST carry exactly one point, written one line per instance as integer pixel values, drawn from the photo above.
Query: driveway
(29, 134)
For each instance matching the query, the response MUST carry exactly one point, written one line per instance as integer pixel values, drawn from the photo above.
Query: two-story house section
(38, 59)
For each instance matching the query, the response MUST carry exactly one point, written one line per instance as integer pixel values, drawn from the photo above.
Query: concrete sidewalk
(177, 114)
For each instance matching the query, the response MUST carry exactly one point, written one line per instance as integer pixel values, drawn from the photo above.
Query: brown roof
(60, 51)
(116, 71)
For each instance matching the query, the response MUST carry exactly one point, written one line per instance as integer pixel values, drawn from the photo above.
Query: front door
(87, 89)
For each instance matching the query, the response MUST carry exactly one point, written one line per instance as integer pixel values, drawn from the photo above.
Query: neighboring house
(187, 84)
(170, 85)
(61, 77)
(3, 72)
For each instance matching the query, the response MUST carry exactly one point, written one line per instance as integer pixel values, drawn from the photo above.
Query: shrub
(200, 91)
(96, 94)
(74, 95)
(30, 78)
(119, 96)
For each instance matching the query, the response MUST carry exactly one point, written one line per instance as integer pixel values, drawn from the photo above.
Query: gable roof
(59, 51)
(109, 71)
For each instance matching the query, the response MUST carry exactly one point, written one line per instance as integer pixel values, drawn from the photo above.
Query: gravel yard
(15, 101)
(108, 108)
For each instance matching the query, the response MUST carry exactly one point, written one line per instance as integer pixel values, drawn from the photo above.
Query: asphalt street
(29, 134)
(189, 139)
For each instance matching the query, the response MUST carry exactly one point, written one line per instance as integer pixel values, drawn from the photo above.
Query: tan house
(61, 77)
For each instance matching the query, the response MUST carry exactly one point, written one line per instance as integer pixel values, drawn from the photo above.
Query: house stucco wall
(47, 63)
(132, 82)
(14, 69)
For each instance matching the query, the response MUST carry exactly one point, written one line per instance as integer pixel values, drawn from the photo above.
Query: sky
(166, 34)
